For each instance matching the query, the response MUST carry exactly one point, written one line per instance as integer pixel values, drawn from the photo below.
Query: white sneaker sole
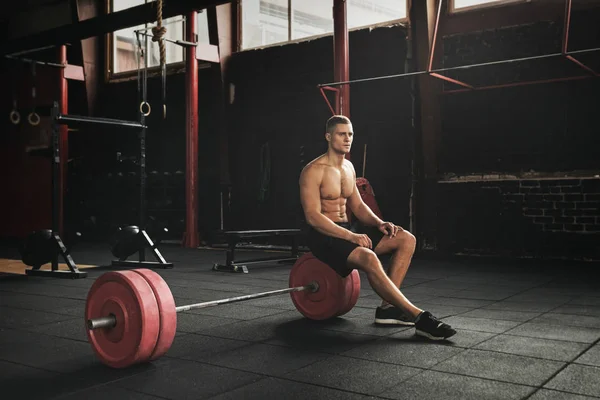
(382, 321)
(430, 336)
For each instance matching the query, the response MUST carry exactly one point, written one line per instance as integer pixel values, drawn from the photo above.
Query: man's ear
(328, 136)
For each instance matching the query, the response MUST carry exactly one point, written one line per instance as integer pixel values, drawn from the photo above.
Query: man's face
(341, 139)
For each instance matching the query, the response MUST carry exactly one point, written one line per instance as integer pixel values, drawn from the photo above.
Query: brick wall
(567, 205)
(540, 218)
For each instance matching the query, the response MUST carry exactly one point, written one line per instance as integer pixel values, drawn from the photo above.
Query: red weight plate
(166, 307)
(351, 292)
(368, 195)
(328, 300)
(127, 296)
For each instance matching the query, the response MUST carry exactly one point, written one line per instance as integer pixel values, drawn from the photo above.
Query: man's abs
(334, 209)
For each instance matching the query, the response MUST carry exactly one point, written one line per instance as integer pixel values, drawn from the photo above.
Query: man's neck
(335, 159)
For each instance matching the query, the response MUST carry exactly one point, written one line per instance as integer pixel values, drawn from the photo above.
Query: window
(267, 22)
(460, 5)
(124, 45)
(366, 13)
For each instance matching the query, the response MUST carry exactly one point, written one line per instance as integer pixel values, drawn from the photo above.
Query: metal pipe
(69, 119)
(435, 32)
(456, 68)
(582, 65)
(63, 130)
(455, 81)
(567, 26)
(515, 84)
(565, 44)
(18, 53)
(191, 237)
(110, 321)
(31, 61)
(322, 90)
(312, 287)
(341, 55)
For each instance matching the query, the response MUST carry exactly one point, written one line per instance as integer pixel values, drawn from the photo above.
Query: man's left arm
(365, 215)
(362, 211)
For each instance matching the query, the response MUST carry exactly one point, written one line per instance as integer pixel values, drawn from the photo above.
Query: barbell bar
(131, 316)
(110, 321)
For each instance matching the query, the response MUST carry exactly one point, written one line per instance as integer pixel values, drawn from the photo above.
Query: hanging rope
(158, 33)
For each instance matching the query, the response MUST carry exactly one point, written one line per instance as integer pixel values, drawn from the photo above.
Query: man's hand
(389, 229)
(361, 240)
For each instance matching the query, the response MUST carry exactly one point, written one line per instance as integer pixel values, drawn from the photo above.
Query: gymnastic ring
(142, 104)
(15, 117)
(164, 111)
(33, 118)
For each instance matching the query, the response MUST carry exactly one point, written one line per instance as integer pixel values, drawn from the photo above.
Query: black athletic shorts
(334, 251)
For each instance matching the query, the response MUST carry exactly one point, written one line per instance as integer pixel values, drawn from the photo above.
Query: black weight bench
(234, 237)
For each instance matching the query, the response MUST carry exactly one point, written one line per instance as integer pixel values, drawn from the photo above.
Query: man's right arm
(310, 197)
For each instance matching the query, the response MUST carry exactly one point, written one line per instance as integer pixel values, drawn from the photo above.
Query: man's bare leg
(402, 247)
(366, 260)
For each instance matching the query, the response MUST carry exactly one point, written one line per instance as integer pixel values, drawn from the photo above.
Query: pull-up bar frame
(437, 73)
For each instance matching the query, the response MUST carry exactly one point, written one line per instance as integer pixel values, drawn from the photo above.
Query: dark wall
(279, 111)
(106, 177)
(534, 148)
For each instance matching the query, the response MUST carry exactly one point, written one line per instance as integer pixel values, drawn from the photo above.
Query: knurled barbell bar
(131, 316)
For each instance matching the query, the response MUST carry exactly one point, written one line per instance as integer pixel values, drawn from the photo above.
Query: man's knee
(407, 240)
(364, 259)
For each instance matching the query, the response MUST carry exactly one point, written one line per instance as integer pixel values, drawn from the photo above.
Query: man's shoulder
(313, 167)
(314, 170)
(348, 164)
(317, 163)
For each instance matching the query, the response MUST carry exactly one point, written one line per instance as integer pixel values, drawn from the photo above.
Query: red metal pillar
(341, 56)
(63, 130)
(191, 238)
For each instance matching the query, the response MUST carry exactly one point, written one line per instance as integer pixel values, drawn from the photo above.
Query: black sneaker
(430, 327)
(392, 316)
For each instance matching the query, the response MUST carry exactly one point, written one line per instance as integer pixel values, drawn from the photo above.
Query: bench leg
(229, 261)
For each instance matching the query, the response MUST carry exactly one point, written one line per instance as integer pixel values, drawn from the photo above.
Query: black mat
(523, 332)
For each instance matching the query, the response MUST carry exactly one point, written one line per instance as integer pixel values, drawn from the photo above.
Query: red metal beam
(445, 78)
(565, 43)
(191, 238)
(432, 53)
(341, 56)
(582, 65)
(63, 131)
(337, 92)
(515, 84)
(434, 40)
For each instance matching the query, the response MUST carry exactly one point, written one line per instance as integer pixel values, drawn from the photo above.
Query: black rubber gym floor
(525, 331)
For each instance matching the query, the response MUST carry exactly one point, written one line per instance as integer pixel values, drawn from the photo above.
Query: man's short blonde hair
(336, 120)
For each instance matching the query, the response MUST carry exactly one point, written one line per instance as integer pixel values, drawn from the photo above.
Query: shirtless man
(327, 187)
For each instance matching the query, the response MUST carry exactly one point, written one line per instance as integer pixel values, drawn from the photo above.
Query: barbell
(131, 316)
